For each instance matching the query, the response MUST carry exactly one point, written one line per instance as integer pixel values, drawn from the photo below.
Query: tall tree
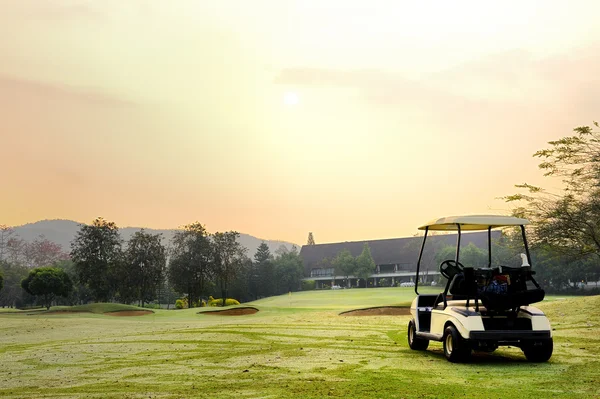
(96, 252)
(47, 282)
(1, 281)
(146, 261)
(262, 274)
(311, 239)
(228, 258)
(190, 264)
(365, 265)
(263, 253)
(6, 233)
(16, 250)
(345, 264)
(568, 220)
(289, 271)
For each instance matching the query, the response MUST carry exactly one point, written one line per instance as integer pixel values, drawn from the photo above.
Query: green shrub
(217, 302)
(308, 285)
(180, 304)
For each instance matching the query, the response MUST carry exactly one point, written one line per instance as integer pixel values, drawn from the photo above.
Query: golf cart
(481, 308)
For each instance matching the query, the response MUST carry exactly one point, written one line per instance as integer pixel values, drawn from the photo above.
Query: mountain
(62, 232)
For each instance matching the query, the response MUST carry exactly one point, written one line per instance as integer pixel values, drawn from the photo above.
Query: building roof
(391, 250)
(473, 222)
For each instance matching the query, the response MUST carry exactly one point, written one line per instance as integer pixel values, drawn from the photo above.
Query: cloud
(54, 10)
(513, 77)
(13, 88)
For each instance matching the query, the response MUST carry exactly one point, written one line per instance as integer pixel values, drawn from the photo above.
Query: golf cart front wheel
(538, 351)
(456, 349)
(414, 342)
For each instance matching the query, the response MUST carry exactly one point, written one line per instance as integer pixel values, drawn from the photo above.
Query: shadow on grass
(479, 358)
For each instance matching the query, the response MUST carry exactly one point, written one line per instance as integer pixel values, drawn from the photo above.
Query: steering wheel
(450, 268)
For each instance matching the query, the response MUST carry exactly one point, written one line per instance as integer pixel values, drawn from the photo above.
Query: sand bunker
(129, 313)
(231, 312)
(379, 311)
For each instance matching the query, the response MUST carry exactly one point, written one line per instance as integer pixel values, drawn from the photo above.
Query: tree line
(101, 267)
(564, 238)
(565, 230)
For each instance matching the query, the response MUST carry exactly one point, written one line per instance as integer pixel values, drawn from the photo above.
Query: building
(395, 258)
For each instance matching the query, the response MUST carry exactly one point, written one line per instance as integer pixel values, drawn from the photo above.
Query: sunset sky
(353, 120)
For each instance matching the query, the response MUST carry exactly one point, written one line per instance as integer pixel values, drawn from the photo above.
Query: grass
(344, 299)
(97, 308)
(295, 346)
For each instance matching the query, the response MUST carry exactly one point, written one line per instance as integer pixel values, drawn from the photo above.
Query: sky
(353, 120)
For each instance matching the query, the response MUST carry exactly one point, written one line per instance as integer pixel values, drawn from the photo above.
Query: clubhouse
(395, 259)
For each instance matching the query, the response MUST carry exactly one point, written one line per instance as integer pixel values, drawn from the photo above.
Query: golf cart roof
(473, 222)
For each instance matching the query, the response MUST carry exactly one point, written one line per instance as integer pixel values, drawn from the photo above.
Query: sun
(290, 98)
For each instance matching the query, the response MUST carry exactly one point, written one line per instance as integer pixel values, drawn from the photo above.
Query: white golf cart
(481, 308)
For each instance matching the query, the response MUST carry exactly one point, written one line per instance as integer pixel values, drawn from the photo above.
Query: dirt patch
(231, 312)
(379, 311)
(129, 313)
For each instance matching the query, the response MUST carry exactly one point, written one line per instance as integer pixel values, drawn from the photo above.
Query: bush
(308, 285)
(180, 304)
(217, 302)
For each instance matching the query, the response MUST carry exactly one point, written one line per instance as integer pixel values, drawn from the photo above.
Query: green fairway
(295, 346)
(344, 299)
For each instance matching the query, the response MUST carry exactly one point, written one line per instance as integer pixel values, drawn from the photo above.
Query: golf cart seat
(495, 301)
(496, 291)
(513, 291)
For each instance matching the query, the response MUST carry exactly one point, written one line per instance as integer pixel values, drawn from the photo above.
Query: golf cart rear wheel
(456, 349)
(416, 343)
(538, 351)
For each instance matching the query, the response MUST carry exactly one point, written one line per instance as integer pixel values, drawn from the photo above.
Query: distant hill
(62, 232)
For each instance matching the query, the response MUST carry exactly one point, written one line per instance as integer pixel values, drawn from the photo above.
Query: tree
(47, 282)
(1, 281)
(470, 256)
(345, 264)
(15, 250)
(190, 265)
(289, 271)
(263, 253)
(96, 252)
(12, 295)
(365, 265)
(6, 233)
(228, 258)
(146, 261)
(568, 221)
(42, 252)
(262, 275)
(80, 294)
(311, 240)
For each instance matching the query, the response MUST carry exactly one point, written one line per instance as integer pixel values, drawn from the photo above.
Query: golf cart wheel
(456, 349)
(538, 351)
(416, 343)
